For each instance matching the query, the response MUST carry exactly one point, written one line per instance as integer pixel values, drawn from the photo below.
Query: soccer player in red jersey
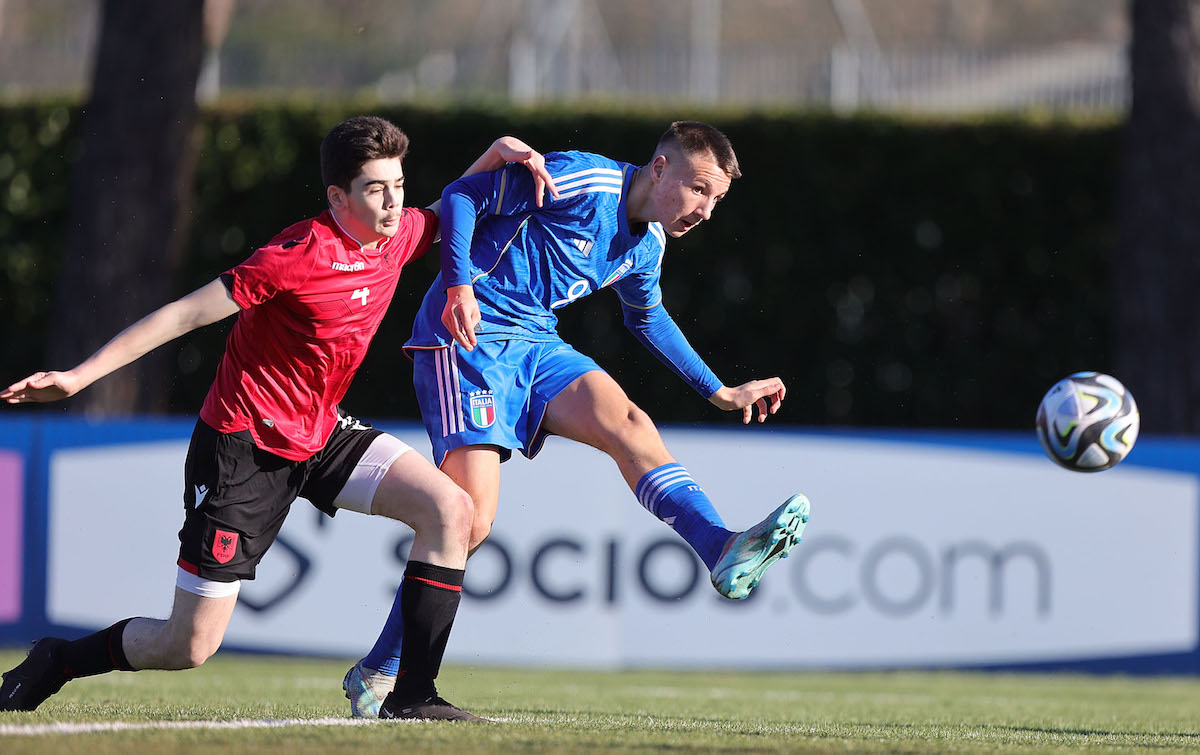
(270, 430)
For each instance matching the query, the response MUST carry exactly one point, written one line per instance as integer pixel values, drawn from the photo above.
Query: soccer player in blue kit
(493, 375)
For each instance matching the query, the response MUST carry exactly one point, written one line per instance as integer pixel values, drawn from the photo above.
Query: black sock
(97, 653)
(428, 601)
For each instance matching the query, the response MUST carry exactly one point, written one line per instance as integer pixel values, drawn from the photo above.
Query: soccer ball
(1087, 422)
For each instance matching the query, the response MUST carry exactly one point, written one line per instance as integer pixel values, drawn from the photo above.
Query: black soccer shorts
(236, 495)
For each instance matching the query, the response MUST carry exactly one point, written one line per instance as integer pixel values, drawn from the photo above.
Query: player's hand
(461, 315)
(513, 150)
(767, 395)
(41, 387)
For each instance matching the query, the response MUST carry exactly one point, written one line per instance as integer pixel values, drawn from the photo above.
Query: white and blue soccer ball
(1087, 422)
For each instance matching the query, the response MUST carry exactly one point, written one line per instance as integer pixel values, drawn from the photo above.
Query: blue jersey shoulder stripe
(608, 172)
(598, 180)
(585, 189)
(591, 181)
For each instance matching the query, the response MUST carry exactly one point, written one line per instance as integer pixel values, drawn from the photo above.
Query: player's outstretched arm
(203, 306)
(510, 149)
(748, 395)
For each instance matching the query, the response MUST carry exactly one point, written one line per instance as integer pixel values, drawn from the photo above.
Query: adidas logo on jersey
(351, 267)
(583, 245)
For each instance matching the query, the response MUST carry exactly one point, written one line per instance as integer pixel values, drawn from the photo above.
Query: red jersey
(311, 301)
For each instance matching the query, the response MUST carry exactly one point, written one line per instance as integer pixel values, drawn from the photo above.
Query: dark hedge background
(893, 272)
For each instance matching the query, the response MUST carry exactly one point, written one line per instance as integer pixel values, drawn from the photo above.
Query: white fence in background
(1063, 78)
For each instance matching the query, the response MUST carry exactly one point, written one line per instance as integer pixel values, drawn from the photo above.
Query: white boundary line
(94, 727)
(101, 727)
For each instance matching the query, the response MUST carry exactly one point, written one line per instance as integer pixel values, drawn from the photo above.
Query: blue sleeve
(659, 333)
(465, 202)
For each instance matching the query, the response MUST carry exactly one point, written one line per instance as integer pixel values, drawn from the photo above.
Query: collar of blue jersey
(623, 209)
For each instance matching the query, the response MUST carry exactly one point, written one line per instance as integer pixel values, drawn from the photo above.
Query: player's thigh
(476, 469)
(372, 472)
(419, 494)
(198, 619)
(595, 410)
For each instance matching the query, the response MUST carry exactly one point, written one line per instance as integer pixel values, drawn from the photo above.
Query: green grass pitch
(242, 703)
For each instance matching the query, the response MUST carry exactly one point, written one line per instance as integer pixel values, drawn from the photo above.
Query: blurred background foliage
(893, 271)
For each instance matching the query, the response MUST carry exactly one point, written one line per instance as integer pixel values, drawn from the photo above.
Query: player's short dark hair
(694, 137)
(355, 141)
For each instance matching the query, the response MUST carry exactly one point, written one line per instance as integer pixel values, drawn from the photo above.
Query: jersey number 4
(361, 293)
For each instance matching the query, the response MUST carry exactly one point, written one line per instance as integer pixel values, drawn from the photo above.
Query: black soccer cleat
(429, 707)
(37, 677)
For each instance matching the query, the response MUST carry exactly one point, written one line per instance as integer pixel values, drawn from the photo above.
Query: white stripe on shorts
(452, 357)
(449, 396)
(437, 369)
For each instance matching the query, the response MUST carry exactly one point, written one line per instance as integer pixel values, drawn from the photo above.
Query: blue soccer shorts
(496, 394)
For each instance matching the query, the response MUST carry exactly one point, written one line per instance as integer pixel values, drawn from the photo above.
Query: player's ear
(336, 197)
(658, 167)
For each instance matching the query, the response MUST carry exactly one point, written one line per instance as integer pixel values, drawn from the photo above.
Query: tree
(1157, 270)
(130, 193)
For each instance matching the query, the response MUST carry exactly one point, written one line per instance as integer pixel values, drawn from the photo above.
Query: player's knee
(457, 513)
(449, 517)
(190, 652)
(197, 654)
(638, 421)
(632, 428)
(445, 516)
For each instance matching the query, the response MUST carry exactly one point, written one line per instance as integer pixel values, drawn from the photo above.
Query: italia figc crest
(483, 408)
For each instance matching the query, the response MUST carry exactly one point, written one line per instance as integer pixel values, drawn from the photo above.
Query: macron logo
(352, 267)
(201, 494)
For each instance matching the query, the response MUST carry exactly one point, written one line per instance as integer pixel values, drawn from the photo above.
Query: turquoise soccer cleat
(748, 555)
(366, 690)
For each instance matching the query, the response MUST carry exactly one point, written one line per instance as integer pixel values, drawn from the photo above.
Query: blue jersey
(524, 262)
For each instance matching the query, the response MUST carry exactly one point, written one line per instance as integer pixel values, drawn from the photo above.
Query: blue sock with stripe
(385, 656)
(671, 494)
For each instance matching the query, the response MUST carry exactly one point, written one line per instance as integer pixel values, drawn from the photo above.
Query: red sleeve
(282, 265)
(420, 229)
